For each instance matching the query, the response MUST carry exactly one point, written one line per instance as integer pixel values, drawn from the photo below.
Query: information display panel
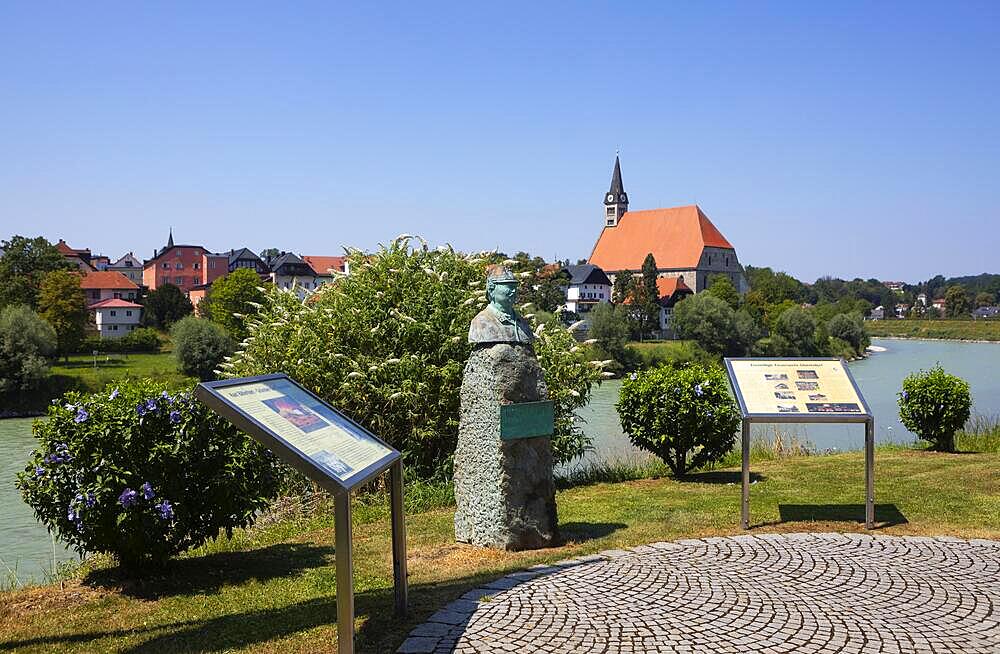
(307, 429)
(813, 389)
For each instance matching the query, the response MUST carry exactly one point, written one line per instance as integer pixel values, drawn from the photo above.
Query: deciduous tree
(165, 306)
(234, 297)
(24, 264)
(62, 304)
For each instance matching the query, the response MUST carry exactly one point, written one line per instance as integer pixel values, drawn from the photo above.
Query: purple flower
(128, 497)
(39, 472)
(72, 514)
(175, 417)
(698, 390)
(165, 509)
(140, 409)
(147, 491)
(89, 501)
(905, 395)
(633, 376)
(113, 395)
(70, 407)
(151, 404)
(81, 415)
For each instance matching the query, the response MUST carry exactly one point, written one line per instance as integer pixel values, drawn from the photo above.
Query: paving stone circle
(748, 593)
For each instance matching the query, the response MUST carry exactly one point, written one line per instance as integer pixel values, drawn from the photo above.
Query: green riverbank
(950, 330)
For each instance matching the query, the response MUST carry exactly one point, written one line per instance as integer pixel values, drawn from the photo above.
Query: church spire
(616, 200)
(616, 181)
(170, 239)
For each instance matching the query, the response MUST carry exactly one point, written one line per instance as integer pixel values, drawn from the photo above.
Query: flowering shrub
(934, 405)
(683, 415)
(387, 345)
(142, 474)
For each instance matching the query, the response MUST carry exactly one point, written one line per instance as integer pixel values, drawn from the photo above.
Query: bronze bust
(499, 322)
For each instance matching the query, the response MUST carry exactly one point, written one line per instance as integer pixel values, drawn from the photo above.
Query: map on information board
(806, 387)
(304, 424)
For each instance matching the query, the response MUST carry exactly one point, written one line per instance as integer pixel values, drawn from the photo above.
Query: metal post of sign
(870, 474)
(398, 537)
(345, 574)
(745, 507)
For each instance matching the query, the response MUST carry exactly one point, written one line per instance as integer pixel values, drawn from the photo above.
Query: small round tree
(683, 415)
(934, 405)
(141, 474)
(200, 346)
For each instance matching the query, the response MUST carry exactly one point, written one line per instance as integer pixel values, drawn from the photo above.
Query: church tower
(615, 200)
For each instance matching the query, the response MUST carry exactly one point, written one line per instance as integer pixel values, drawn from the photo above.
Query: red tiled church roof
(106, 279)
(676, 237)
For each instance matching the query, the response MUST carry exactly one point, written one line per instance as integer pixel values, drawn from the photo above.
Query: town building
(130, 266)
(671, 291)
(80, 258)
(245, 258)
(878, 313)
(291, 272)
(115, 318)
(986, 313)
(101, 285)
(184, 266)
(326, 267)
(939, 304)
(896, 287)
(684, 242)
(922, 299)
(588, 286)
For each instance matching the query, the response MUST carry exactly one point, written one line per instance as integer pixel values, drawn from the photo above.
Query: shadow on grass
(206, 574)
(578, 532)
(886, 515)
(719, 477)
(380, 630)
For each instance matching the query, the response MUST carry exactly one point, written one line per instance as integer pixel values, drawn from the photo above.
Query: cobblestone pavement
(764, 593)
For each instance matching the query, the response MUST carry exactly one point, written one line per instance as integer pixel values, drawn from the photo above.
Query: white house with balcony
(588, 286)
(115, 318)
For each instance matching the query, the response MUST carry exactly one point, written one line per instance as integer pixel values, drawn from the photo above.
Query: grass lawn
(973, 330)
(80, 374)
(272, 589)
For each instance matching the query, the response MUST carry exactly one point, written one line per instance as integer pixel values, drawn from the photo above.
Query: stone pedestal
(504, 489)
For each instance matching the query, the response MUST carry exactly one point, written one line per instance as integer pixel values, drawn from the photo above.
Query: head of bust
(501, 289)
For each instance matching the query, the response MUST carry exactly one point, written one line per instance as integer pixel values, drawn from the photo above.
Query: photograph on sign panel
(781, 387)
(787, 408)
(776, 377)
(807, 385)
(784, 395)
(332, 462)
(296, 413)
(833, 407)
(807, 374)
(818, 397)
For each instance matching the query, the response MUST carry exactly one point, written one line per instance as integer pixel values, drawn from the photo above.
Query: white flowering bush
(387, 345)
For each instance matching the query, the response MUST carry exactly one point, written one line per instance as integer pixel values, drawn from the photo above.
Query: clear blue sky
(821, 138)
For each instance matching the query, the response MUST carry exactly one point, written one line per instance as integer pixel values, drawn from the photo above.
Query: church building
(684, 242)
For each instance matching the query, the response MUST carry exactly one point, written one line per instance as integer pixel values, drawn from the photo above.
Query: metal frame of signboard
(866, 418)
(207, 393)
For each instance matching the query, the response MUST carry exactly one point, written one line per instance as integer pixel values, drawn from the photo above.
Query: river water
(26, 547)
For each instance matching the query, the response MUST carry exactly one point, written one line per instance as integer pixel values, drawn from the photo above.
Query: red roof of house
(110, 279)
(323, 265)
(667, 286)
(68, 251)
(115, 303)
(675, 236)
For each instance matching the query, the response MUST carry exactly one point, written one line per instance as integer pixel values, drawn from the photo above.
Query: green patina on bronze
(526, 420)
